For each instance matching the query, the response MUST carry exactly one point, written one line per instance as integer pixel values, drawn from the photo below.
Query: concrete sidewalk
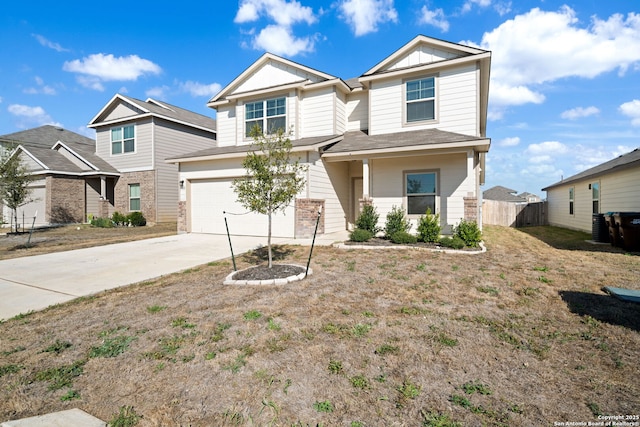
(36, 282)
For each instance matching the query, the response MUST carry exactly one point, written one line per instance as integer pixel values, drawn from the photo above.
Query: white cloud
(47, 43)
(97, 68)
(631, 109)
(158, 92)
(435, 18)
(551, 148)
(284, 13)
(281, 41)
(509, 142)
(200, 89)
(578, 112)
(540, 159)
(31, 116)
(40, 89)
(364, 16)
(468, 5)
(539, 47)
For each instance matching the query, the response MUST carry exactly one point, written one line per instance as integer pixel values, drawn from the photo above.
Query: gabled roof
(502, 194)
(223, 96)
(152, 107)
(47, 136)
(625, 161)
(53, 162)
(457, 50)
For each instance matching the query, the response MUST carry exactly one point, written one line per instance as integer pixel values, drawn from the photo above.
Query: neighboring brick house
(409, 132)
(122, 170)
(68, 175)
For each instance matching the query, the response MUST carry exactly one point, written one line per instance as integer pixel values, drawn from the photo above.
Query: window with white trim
(420, 96)
(269, 115)
(571, 198)
(134, 197)
(123, 139)
(421, 192)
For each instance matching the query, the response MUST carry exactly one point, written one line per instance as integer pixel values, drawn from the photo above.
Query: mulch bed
(377, 241)
(263, 272)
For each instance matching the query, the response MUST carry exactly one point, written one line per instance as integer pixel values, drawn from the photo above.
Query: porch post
(103, 187)
(365, 179)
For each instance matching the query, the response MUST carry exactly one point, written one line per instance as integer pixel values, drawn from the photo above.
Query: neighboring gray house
(613, 186)
(409, 132)
(68, 175)
(135, 137)
(502, 194)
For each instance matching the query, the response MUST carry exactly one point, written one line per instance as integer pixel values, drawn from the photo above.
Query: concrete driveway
(36, 282)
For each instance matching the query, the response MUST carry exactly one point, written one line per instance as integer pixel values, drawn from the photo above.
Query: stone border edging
(283, 281)
(483, 248)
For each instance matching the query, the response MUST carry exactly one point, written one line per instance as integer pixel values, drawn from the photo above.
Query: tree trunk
(269, 241)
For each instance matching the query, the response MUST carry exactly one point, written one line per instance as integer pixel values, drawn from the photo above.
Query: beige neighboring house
(408, 132)
(135, 137)
(67, 172)
(612, 186)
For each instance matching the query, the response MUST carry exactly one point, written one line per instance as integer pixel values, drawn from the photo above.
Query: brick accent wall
(182, 217)
(307, 216)
(147, 181)
(65, 200)
(471, 209)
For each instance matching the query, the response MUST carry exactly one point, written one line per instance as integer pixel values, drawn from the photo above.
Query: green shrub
(454, 242)
(101, 222)
(360, 235)
(429, 227)
(469, 232)
(119, 219)
(403, 237)
(368, 219)
(396, 221)
(137, 219)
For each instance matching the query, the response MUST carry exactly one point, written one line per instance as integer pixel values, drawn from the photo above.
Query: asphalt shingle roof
(174, 112)
(47, 136)
(502, 194)
(621, 162)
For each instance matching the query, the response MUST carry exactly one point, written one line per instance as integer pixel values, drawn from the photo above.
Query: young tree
(273, 177)
(14, 183)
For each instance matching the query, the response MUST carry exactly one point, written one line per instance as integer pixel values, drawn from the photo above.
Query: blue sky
(565, 78)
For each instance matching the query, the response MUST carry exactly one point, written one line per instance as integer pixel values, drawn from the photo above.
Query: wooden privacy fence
(513, 214)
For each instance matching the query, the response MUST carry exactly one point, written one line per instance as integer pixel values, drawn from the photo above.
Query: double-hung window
(421, 191)
(595, 197)
(123, 139)
(269, 115)
(134, 197)
(421, 99)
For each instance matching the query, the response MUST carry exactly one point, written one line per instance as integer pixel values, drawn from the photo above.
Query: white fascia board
(426, 67)
(34, 158)
(81, 174)
(147, 115)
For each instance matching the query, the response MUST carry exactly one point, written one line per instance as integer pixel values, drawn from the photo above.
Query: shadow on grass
(604, 308)
(571, 240)
(279, 252)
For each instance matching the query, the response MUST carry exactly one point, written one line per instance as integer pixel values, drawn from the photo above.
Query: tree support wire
(313, 241)
(233, 258)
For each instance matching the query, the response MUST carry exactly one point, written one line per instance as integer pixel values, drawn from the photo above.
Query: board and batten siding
(456, 104)
(273, 74)
(141, 159)
(619, 192)
(172, 140)
(318, 113)
(121, 111)
(332, 189)
(387, 184)
(357, 111)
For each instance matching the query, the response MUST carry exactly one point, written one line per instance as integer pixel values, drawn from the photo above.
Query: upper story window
(421, 99)
(269, 115)
(123, 139)
(421, 192)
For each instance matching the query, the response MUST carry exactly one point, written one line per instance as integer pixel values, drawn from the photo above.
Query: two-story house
(409, 132)
(135, 137)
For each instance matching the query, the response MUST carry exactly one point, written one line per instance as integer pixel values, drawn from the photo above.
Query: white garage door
(210, 198)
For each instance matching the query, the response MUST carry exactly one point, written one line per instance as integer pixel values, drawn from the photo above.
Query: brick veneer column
(471, 209)
(306, 217)
(182, 217)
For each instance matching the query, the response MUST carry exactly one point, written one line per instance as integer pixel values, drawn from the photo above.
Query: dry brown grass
(70, 237)
(521, 335)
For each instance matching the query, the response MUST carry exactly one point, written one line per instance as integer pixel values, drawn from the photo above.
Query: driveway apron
(36, 282)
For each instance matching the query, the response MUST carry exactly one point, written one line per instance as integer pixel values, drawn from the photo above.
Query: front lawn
(520, 335)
